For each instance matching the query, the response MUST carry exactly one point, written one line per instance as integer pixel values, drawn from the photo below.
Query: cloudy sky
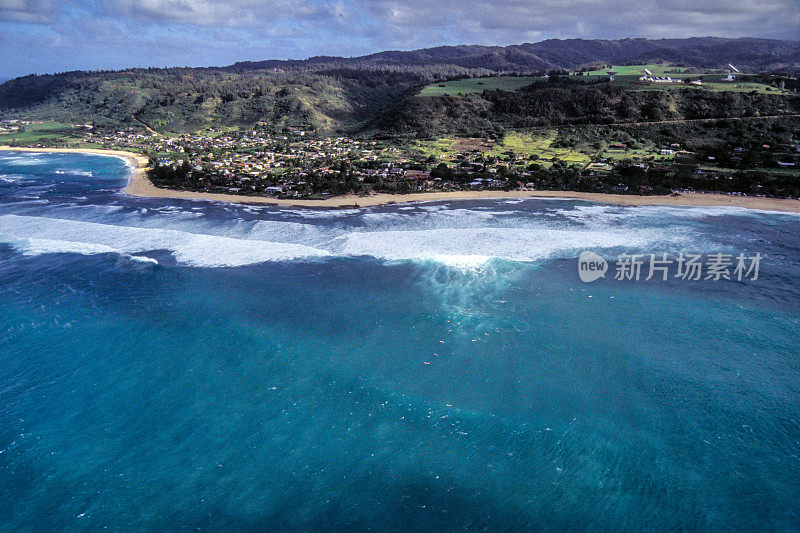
(39, 36)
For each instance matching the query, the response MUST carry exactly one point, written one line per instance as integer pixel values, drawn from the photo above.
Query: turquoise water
(179, 365)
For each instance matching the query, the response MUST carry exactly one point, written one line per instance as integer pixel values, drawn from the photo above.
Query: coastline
(138, 161)
(139, 185)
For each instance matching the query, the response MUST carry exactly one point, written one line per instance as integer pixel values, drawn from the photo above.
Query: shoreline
(138, 161)
(139, 185)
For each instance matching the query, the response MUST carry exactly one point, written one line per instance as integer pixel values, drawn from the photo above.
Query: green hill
(574, 100)
(178, 100)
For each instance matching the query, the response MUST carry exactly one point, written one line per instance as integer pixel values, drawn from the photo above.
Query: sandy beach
(139, 185)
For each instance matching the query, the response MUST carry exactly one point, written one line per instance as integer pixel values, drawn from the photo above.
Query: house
(418, 175)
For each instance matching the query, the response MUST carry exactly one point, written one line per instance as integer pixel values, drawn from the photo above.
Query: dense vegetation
(191, 99)
(572, 101)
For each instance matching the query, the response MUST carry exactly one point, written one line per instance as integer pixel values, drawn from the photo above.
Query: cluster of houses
(666, 79)
(287, 165)
(11, 126)
(659, 79)
(649, 77)
(761, 156)
(298, 164)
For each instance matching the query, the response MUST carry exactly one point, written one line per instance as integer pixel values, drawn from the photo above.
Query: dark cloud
(45, 36)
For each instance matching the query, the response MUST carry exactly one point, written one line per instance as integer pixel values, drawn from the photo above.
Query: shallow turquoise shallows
(176, 365)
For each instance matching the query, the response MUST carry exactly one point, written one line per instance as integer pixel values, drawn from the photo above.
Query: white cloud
(230, 13)
(510, 21)
(29, 11)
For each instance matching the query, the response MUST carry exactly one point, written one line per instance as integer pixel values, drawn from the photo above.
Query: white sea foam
(456, 237)
(479, 244)
(31, 200)
(291, 232)
(462, 261)
(604, 214)
(43, 235)
(595, 214)
(35, 246)
(13, 178)
(691, 212)
(711, 211)
(436, 218)
(27, 160)
(75, 172)
(319, 213)
(143, 259)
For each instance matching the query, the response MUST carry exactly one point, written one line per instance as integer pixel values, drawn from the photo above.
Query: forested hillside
(190, 99)
(571, 102)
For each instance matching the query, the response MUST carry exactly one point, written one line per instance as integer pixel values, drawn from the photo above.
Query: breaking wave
(237, 243)
(37, 235)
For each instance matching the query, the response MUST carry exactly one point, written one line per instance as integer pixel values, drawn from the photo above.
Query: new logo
(591, 266)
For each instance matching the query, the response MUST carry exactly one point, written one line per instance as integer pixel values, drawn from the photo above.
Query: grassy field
(477, 85)
(741, 85)
(736, 86)
(627, 76)
(527, 147)
(649, 152)
(658, 69)
(40, 131)
(441, 149)
(539, 146)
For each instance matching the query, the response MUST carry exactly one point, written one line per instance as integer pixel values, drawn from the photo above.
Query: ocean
(180, 365)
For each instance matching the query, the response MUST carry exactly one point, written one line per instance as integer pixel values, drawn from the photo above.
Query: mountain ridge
(759, 53)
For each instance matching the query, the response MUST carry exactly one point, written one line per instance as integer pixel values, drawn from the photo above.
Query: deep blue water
(177, 365)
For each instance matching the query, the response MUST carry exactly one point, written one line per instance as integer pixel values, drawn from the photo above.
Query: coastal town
(300, 164)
